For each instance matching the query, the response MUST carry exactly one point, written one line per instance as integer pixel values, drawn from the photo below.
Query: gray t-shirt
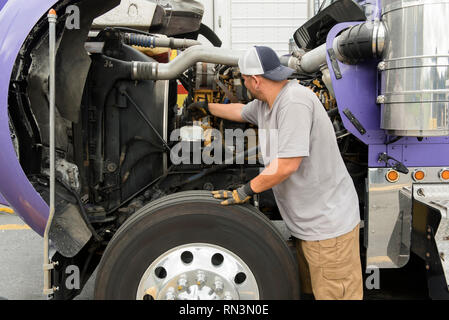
(319, 200)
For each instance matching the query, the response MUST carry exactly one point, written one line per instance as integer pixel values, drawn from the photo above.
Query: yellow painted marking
(15, 227)
(7, 210)
(181, 98)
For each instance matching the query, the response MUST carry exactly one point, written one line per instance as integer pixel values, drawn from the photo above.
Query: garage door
(244, 23)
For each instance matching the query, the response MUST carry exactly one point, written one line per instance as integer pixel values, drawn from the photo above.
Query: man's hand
(237, 196)
(197, 110)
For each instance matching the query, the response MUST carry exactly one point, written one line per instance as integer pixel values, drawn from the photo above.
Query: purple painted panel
(2, 3)
(395, 151)
(357, 91)
(3, 200)
(426, 155)
(373, 155)
(17, 18)
(412, 155)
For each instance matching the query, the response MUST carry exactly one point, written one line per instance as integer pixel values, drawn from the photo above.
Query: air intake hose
(361, 42)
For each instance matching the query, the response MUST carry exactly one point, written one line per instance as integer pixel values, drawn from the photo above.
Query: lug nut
(227, 296)
(380, 99)
(182, 283)
(200, 278)
(218, 285)
(170, 294)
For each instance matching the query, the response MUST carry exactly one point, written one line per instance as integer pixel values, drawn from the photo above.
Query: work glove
(197, 110)
(237, 196)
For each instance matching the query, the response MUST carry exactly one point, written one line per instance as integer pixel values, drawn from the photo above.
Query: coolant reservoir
(415, 68)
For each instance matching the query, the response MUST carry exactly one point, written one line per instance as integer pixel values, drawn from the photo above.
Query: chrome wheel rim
(198, 271)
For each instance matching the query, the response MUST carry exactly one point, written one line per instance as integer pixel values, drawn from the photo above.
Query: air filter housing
(415, 68)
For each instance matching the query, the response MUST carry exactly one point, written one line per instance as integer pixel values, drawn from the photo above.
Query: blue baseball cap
(263, 61)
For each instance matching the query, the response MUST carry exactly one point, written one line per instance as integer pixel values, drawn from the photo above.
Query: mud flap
(69, 232)
(430, 235)
(72, 273)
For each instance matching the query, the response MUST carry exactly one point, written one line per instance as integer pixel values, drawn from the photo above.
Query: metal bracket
(354, 121)
(47, 268)
(50, 291)
(334, 62)
(398, 166)
(145, 118)
(50, 266)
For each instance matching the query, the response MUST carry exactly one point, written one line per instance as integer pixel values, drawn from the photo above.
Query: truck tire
(188, 246)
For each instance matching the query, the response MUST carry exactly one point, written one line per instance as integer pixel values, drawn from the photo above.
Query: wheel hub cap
(198, 272)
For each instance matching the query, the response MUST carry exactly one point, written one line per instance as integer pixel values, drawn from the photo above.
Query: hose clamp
(154, 70)
(135, 68)
(379, 38)
(374, 39)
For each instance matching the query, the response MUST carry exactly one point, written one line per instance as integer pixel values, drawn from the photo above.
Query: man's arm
(276, 172)
(230, 111)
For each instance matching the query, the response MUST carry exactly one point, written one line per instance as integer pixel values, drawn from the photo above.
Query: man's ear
(256, 81)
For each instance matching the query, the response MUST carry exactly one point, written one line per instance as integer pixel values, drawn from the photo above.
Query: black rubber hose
(205, 172)
(356, 43)
(146, 41)
(135, 194)
(139, 161)
(210, 35)
(78, 200)
(131, 30)
(96, 236)
(140, 40)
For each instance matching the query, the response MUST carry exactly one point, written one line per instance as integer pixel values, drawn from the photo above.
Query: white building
(241, 24)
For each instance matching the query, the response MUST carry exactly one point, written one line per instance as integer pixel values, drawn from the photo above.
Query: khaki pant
(331, 269)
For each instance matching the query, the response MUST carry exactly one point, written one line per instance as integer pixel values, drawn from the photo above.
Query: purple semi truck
(126, 205)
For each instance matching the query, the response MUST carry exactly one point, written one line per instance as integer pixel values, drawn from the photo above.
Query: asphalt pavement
(21, 259)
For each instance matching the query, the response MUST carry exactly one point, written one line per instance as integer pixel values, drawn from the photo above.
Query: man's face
(253, 86)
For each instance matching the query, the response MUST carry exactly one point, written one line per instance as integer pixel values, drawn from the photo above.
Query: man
(313, 190)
